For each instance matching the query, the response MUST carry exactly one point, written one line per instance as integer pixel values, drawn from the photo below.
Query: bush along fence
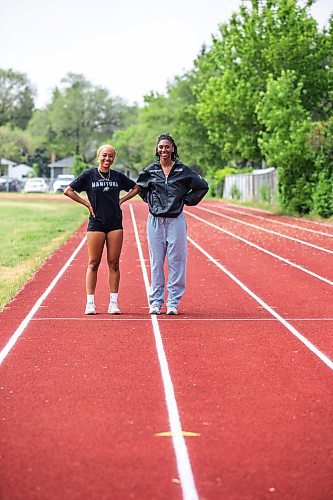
(258, 185)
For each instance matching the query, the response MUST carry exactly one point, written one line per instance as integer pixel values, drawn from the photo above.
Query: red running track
(245, 368)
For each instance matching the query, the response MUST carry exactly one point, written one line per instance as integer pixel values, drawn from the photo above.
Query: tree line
(260, 94)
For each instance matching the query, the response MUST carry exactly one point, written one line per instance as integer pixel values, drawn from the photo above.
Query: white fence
(254, 186)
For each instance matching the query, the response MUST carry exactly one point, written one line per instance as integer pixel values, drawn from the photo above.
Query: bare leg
(114, 241)
(95, 241)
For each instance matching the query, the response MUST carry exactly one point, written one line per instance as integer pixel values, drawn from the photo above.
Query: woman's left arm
(198, 188)
(133, 192)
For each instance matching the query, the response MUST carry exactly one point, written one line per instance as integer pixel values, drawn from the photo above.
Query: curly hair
(168, 137)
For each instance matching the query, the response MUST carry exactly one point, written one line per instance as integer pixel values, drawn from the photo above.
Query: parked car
(62, 182)
(36, 185)
(9, 184)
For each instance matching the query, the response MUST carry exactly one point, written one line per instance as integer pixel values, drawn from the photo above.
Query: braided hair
(168, 137)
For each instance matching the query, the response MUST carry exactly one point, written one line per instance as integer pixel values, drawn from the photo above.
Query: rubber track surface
(82, 398)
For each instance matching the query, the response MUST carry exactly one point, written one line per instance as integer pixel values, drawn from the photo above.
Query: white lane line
(302, 242)
(273, 220)
(284, 322)
(126, 319)
(248, 208)
(182, 457)
(276, 256)
(12, 341)
(316, 223)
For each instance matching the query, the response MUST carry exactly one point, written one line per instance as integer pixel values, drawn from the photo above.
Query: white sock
(114, 297)
(90, 299)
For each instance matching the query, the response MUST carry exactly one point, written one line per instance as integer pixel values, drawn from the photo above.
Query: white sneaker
(113, 308)
(154, 309)
(172, 311)
(90, 309)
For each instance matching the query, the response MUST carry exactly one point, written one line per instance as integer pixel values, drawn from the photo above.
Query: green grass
(30, 230)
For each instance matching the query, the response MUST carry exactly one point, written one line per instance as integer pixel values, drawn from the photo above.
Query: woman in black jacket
(167, 185)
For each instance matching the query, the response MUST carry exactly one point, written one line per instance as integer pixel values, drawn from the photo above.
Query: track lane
(266, 214)
(243, 384)
(256, 398)
(16, 311)
(79, 417)
(275, 222)
(290, 292)
(307, 257)
(83, 398)
(314, 239)
(246, 390)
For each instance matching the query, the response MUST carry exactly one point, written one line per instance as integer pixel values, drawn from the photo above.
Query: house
(20, 171)
(61, 167)
(64, 166)
(5, 165)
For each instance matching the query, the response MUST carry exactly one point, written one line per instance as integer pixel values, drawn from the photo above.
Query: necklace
(105, 178)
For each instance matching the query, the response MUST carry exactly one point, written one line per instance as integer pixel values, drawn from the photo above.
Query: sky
(129, 47)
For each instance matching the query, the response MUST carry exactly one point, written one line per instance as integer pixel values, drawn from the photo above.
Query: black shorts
(99, 225)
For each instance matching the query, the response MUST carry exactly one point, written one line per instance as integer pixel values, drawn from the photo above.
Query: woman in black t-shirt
(103, 185)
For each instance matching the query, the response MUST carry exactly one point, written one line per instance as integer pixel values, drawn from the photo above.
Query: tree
(284, 141)
(136, 144)
(16, 99)
(174, 113)
(194, 145)
(35, 170)
(15, 144)
(44, 136)
(273, 36)
(79, 165)
(78, 118)
(322, 141)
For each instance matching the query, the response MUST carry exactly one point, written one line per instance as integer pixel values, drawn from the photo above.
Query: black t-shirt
(103, 193)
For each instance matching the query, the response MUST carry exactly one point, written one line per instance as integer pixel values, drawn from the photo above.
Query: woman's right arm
(75, 197)
(142, 182)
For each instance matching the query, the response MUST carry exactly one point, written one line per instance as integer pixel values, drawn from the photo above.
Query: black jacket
(166, 196)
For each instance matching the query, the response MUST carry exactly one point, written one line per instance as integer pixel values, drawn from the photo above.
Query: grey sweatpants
(167, 238)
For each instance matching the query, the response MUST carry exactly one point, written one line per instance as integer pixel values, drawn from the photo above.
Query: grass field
(31, 229)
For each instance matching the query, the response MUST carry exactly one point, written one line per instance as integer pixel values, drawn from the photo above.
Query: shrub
(265, 192)
(284, 141)
(323, 195)
(322, 141)
(235, 193)
(218, 177)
